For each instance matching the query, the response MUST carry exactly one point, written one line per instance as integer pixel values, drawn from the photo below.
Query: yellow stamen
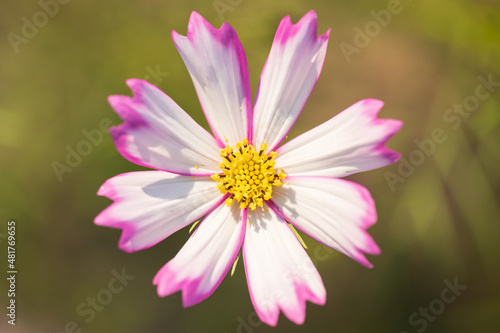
(298, 236)
(234, 265)
(194, 226)
(247, 174)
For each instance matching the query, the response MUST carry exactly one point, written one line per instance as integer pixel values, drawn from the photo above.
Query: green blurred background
(439, 221)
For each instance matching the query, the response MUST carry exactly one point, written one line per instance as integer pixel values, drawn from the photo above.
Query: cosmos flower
(250, 192)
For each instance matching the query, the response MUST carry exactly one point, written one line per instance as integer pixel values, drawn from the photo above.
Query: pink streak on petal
(286, 36)
(368, 219)
(288, 30)
(167, 282)
(228, 39)
(357, 139)
(128, 229)
(124, 135)
(358, 255)
(294, 277)
(269, 317)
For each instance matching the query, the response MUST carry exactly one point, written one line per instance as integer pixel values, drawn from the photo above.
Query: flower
(248, 190)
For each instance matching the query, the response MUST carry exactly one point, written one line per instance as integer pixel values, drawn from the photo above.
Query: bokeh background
(438, 222)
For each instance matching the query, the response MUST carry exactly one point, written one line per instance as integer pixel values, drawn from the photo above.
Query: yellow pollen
(247, 174)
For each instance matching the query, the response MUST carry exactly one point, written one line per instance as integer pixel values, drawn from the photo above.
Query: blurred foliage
(442, 222)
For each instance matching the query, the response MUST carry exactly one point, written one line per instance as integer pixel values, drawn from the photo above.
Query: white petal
(158, 134)
(333, 211)
(353, 141)
(205, 259)
(279, 272)
(291, 71)
(151, 205)
(217, 64)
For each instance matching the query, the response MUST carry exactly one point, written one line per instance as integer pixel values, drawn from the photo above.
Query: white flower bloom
(240, 181)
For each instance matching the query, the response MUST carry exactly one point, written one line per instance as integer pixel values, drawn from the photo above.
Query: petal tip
(138, 85)
(372, 103)
(114, 100)
(326, 35)
(127, 248)
(363, 261)
(394, 156)
(103, 190)
(310, 17)
(99, 219)
(195, 16)
(197, 22)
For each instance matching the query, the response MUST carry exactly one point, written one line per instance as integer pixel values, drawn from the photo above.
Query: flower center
(247, 174)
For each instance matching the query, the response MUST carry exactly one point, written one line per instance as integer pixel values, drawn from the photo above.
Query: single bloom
(249, 191)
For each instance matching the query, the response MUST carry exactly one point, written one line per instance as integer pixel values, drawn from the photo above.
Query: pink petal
(280, 275)
(291, 72)
(205, 259)
(157, 133)
(353, 141)
(151, 205)
(217, 64)
(335, 212)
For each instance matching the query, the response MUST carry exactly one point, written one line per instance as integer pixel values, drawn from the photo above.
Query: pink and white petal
(157, 133)
(289, 75)
(205, 259)
(335, 212)
(217, 64)
(149, 206)
(280, 274)
(353, 141)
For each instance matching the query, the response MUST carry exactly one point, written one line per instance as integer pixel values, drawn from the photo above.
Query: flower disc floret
(247, 174)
